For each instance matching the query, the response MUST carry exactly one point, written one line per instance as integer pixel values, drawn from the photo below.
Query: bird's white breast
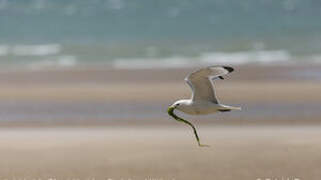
(202, 107)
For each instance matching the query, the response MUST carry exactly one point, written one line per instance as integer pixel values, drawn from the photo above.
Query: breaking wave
(209, 58)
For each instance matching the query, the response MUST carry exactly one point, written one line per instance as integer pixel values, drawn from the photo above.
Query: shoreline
(106, 74)
(269, 95)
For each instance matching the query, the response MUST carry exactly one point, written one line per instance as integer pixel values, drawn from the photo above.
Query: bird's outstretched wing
(201, 84)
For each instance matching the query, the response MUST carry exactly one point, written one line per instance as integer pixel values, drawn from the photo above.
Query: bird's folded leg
(171, 113)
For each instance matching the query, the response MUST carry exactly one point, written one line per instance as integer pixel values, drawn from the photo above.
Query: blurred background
(132, 34)
(85, 86)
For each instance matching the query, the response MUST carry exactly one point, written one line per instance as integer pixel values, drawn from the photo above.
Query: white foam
(4, 50)
(316, 58)
(36, 50)
(208, 58)
(265, 57)
(59, 61)
(144, 63)
(67, 61)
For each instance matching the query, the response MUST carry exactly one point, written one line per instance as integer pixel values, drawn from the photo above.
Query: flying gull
(203, 100)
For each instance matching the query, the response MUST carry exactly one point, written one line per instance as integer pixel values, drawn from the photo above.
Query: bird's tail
(235, 108)
(229, 108)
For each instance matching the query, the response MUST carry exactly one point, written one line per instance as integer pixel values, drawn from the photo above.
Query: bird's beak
(170, 110)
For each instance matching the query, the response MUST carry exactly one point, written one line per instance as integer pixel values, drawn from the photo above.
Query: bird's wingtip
(228, 68)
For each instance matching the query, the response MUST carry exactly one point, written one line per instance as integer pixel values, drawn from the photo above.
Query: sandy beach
(104, 123)
(161, 153)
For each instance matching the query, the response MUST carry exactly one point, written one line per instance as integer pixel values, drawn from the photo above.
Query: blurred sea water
(39, 34)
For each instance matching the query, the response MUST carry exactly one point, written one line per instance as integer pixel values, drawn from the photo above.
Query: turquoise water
(144, 33)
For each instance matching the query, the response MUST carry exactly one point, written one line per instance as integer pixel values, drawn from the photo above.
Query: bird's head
(177, 105)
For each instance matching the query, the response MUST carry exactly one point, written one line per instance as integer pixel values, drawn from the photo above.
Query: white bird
(203, 100)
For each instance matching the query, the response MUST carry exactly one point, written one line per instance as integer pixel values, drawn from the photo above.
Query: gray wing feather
(201, 83)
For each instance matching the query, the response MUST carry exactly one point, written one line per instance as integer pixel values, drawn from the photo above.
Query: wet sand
(161, 153)
(105, 123)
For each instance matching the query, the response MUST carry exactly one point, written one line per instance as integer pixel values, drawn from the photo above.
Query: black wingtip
(230, 69)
